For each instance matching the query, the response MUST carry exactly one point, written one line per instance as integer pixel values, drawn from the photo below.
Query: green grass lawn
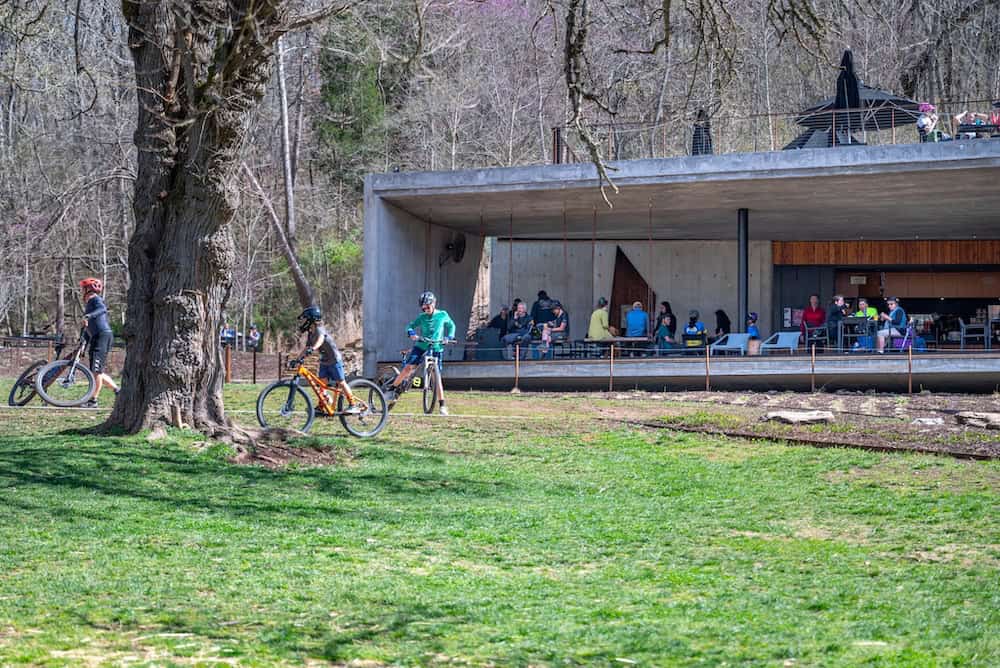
(549, 541)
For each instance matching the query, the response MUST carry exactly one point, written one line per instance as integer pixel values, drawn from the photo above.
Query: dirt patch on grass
(275, 455)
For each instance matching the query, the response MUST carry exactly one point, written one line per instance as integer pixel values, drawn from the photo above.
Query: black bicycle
(23, 390)
(67, 382)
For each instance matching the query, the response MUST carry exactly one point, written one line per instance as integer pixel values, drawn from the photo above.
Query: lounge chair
(731, 343)
(781, 341)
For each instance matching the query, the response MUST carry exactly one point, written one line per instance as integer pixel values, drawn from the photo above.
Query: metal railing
(621, 139)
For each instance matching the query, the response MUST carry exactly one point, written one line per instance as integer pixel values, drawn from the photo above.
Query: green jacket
(437, 326)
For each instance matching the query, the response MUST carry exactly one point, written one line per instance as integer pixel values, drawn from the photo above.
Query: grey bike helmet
(427, 297)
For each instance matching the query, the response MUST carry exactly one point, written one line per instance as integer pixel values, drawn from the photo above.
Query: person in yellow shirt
(599, 328)
(865, 311)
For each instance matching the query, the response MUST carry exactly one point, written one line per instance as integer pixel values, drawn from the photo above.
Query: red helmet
(92, 285)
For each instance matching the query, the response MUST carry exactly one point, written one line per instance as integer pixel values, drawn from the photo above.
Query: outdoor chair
(973, 331)
(818, 335)
(731, 343)
(781, 341)
(904, 342)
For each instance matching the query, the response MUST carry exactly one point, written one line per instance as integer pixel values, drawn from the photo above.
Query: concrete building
(860, 219)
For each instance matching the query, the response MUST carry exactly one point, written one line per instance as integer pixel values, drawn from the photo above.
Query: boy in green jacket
(433, 324)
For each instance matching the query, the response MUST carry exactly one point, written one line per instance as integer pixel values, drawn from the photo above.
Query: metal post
(254, 376)
(743, 267)
(812, 369)
(557, 148)
(280, 367)
(517, 366)
(611, 370)
(708, 369)
(909, 369)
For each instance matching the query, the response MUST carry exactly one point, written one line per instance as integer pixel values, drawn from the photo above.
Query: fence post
(812, 368)
(49, 353)
(611, 369)
(280, 365)
(229, 364)
(254, 375)
(909, 369)
(517, 367)
(708, 369)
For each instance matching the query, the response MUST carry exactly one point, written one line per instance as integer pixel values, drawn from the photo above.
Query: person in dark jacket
(541, 310)
(99, 335)
(723, 325)
(836, 312)
(500, 321)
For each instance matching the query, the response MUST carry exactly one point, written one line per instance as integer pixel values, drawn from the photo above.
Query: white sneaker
(444, 410)
(353, 409)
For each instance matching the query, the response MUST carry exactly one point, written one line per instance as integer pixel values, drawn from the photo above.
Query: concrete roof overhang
(947, 190)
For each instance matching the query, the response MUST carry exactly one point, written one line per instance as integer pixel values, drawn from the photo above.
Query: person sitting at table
(636, 322)
(637, 326)
(894, 323)
(865, 311)
(518, 332)
(556, 329)
(500, 321)
(968, 118)
(813, 315)
(864, 340)
(723, 325)
(995, 118)
(541, 310)
(666, 334)
(836, 312)
(694, 331)
(599, 329)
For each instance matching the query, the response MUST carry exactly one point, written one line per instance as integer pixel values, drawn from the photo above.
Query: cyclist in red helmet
(95, 319)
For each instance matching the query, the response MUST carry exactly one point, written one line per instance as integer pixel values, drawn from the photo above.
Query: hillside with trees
(389, 85)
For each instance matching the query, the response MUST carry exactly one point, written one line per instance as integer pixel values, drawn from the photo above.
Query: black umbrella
(858, 107)
(814, 138)
(848, 96)
(701, 139)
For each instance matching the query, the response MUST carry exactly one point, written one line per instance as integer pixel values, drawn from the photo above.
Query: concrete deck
(909, 189)
(938, 372)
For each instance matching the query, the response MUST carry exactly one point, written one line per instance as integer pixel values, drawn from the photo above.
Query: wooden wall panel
(886, 253)
(923, 284)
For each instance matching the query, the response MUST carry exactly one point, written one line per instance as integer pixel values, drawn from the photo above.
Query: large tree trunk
(201, 68)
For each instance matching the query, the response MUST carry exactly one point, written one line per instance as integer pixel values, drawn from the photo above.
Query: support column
(743, 269)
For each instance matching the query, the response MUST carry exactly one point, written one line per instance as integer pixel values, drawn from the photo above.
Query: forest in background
(426, 84)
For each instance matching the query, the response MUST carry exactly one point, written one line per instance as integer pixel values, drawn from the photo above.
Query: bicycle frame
(320, 388)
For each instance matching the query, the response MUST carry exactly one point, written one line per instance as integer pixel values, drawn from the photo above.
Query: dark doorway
(628, 286)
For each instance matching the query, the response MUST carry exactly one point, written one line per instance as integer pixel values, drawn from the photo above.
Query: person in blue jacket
(99, 335)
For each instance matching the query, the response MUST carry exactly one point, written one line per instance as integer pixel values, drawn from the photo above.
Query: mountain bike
(428, 379)
(285, 404)
(67, 382)
(23, 390)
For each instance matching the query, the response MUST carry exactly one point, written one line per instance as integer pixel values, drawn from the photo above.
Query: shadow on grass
(175, 478)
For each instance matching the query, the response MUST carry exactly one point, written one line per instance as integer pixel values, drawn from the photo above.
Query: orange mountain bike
(285, 404)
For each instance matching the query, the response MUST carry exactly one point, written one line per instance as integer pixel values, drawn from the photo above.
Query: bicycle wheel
(65, 383)
(430, 388)
(285, 405)
(24, 387)
(374, 413)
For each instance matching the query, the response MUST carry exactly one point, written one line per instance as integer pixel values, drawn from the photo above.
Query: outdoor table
(982, 128)
(619, 340)
(855, 328)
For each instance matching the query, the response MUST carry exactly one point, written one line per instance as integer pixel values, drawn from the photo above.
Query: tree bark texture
(201, 69)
